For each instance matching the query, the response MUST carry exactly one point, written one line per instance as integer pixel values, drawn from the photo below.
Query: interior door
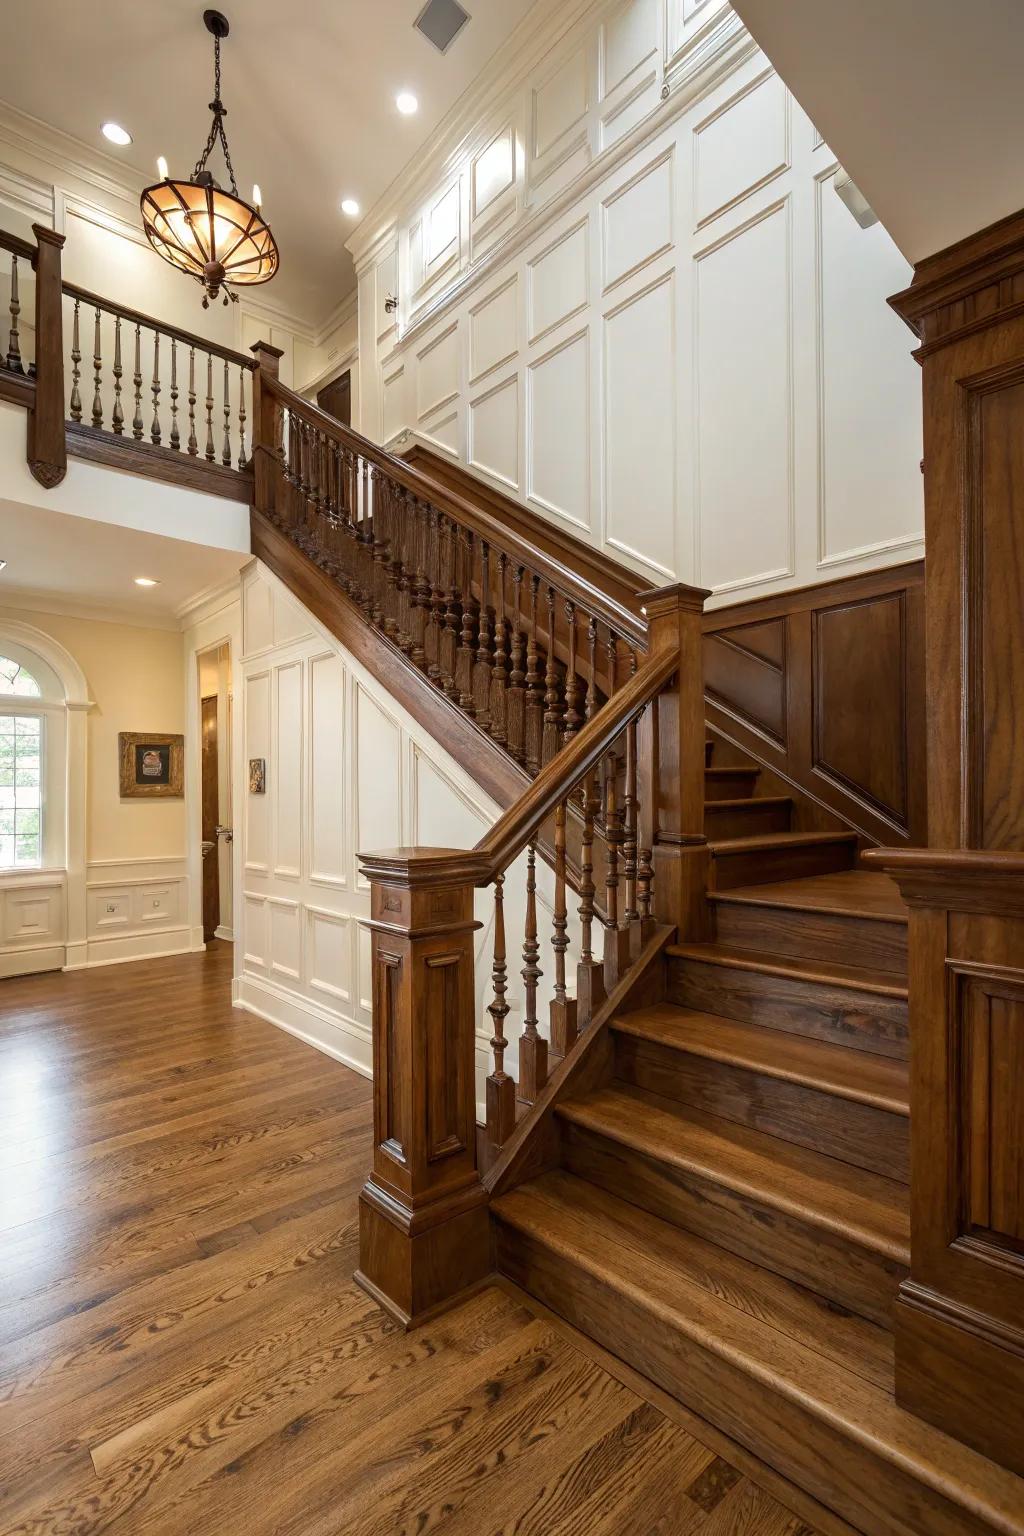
(211, 816)
(336, 398)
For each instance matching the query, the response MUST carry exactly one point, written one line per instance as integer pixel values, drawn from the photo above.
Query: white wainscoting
(652, 320)
(346, 769)
(33, 922)
(137, 909)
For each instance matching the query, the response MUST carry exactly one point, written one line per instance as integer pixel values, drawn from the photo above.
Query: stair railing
(522, 643)
(36, 382)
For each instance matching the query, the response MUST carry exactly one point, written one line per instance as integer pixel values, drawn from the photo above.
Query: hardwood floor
(181, 1344)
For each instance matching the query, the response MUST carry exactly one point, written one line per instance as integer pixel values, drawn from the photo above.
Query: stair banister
(424, 1221)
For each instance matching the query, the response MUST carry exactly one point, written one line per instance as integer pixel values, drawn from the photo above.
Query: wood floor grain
(182, 1347)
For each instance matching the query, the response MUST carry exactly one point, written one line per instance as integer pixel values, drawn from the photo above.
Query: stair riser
(856, 1277)
(844, 1473)
(877, 946)
(731, 786)
(864, 1020)
(855, 1133)
(754, 819)
(762, 866)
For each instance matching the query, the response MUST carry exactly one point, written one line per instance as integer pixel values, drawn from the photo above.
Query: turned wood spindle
(591, 700)
(193, 442)
(155, 390)
(138, 425)
(533, 1048)
(452, 614)
(515, 706)
(534, 692)
(631, 913)
(616, 938)
(97, 369)
(464, 659)
(243, 462)
(14, 362)
(117, 416)
(482, 670)
(590, 989)
(175, 437)
(211, 452)
(225, 455)
(499, 675)
(552, 693)
(500, 1088)
(76, 372)
(573, 719)
(563, 1008)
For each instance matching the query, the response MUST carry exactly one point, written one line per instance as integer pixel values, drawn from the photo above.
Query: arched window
(32, 748)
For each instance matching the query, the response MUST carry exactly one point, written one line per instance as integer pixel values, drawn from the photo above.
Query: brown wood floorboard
(182, 1347)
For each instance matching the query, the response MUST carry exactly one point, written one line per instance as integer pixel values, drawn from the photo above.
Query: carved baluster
(420, 585)
(437, 596)
(154, 430)
(138, 425)
(563, 1008)
(97, 369)
(75, 408)
(380, 553)
(482, 669)
(552, 691)
(366, 541)
(534, 707)
(464, 659)
(117, 418)
(225, 453)
(499, 675)
(616, 938)
(590, 989)
(211, 452)
(515, 708)
(389, 570)
(501, 1090)
(573, 718)
(533, 1048)
(14, 362)
(452, 616)
(612, 648)
(193, 444)
(243, 462)
(645, 853)
(630, 841)
(175, 438)
(591, 702)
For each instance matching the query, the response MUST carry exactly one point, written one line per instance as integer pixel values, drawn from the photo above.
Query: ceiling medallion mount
(212, 234)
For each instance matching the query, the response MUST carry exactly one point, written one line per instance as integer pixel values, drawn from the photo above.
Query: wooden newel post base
(424, 1234)
(47, 450)
(677, 756)
(266, 426)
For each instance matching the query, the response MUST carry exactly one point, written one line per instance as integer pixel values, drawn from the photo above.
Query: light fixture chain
(217, 130)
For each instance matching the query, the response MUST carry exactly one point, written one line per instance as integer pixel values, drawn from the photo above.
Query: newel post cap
(677, 598)
(47, 236)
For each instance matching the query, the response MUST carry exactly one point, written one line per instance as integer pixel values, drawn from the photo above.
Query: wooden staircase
(731, 1213)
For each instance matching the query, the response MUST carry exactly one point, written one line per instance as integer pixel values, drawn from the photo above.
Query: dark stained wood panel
(746, 682)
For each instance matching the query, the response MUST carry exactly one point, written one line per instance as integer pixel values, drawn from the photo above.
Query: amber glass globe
(212, 235)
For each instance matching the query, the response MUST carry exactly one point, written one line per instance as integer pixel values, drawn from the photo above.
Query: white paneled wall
(634, 301)
(346, 770)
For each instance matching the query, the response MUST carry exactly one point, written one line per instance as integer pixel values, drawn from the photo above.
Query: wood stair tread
(848, 893)
(732, 1311)
(746, 802)
(765, 842)
(795, 969)
(864, 1207)
(861, 1076)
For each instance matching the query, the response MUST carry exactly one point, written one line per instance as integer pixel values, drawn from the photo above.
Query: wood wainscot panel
(825, 688)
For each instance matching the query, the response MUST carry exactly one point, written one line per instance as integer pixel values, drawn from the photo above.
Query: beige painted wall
(136, 679)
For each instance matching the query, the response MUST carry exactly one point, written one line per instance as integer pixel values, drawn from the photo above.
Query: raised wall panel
(740, 147)
(636, 221)
(871, 485)
(640, 426)
(744, 668)
(494, 432)
(378, 819)
(437, 374)
(441, 813)
(558, 281)
(257, 617)
(393, 409)
(494, 329)
(493, 172)
(327, 780)
(285, 937)
(158, 905)
(290, 621)
(745, 503)
(442, 226)
(560, 104)
(286, 790)
(33, 916)
(257, 744)
(628, 38)
(255, 928)
(386, 284)
(558, 441)
(442, 432)
(329, 953)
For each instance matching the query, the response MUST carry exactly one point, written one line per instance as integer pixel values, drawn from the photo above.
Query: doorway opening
(215, 720)
(336, 398)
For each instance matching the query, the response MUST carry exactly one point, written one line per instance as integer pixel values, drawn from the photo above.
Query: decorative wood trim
(153, 462)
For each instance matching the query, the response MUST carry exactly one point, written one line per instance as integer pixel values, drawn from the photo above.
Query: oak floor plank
(182, 1346)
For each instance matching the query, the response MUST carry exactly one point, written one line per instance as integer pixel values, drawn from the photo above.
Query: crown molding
(209, 602)
(31, 600)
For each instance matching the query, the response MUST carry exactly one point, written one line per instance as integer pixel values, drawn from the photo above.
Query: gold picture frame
(152, 765)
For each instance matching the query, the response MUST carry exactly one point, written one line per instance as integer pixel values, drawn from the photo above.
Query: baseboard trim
(342, 1039)
(222, 931)
(30, 962)
(126, 948)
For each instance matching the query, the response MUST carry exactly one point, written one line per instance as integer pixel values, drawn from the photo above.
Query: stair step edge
(767, 841)
(740, 898)
(812, 971)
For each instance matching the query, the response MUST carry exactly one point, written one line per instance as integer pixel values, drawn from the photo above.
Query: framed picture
(152, 766)
(257, 775)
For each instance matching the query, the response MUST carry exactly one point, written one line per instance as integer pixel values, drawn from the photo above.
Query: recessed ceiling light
(116, 134)
(3, 565)
(146, 581)
(406, 103)
(349, 206)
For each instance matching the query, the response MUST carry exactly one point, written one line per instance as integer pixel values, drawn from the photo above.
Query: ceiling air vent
(441, 21)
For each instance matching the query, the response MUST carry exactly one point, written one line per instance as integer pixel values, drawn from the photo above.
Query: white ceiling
(90, 567)
(921, 100)
(309, 87)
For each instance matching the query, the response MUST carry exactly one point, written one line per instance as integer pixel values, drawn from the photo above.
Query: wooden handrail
(552, 571)
(148, 322)
(18, 247)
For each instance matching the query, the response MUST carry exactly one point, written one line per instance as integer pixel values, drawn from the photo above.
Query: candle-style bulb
(161, 167)
(257, 195)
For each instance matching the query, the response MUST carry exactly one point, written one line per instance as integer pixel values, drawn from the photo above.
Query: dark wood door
(336, 398)
(211, 816)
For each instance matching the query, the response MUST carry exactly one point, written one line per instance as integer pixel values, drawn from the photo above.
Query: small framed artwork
(257, 775)
(152, 766)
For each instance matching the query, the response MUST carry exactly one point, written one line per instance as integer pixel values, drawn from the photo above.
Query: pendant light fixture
(213, 235)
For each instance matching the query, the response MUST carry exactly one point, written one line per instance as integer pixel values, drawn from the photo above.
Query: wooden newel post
(47, 453)
(677, 762)
(424, 1234)
(266, 426)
